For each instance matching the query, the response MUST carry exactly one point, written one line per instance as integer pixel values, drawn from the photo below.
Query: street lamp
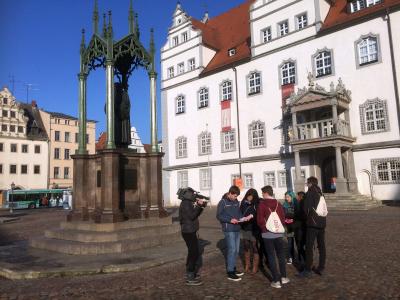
(12, 200)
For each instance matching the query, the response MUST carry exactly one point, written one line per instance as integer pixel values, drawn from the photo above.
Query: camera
(191, 195)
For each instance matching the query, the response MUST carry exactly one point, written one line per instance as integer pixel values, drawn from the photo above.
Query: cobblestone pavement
(362, 263)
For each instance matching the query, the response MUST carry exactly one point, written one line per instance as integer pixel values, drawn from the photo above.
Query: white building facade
(277, 91)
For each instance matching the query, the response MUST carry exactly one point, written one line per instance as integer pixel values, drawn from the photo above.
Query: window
(203, 97)
(323, 63)
(66, 173)
(386, 170)
(171, 72)
(374, 116)
(67, 137)
(302, 175)
(5, 100)
(282, 178)
(301, 21)
(288, 73)
(181, 147)
(226, 90)
(367, 50)
(205, 179)
(87, 139)
(191, 64)
(254, 83)
(228, 142)
(248, 180)
(37, 149)
(181, 68)
(357, 5)
(257, 134)
(12, 128)
(232, 52)
(175, 41)
(13, 147)
(183, 180)
(76, 137)
(13, 169)
(283, 28)
(269, 178)
(66, 154)
(57, 136)
(36, 169)
(4, 127)
(5, 113)
(66, 122)
(1, 147)
(266, 35)
(24, 148)
(12, 114)
(56, 172)
(56, 153)
(205, 143)
(1, 168)
(20, 129)
(24, 169)
(233, 178)
(184, 37)
(180, 104)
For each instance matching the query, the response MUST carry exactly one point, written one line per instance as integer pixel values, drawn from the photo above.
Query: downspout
(237, 122)
(396, 90)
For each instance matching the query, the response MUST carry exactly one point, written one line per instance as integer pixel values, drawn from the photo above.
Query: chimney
(34, 104)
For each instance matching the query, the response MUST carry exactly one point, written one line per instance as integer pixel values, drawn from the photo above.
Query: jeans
(275, 247)
(290, 253)
(232, 241)
(193, 257)
(312, 234)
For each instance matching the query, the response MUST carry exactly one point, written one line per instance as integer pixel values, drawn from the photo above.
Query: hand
(234, 221)
(200, 202)
(249, 217)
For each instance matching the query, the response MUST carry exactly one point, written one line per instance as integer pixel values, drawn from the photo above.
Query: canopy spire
(110, 29)
(131, 19)
(83, 41)
(137, 25)
(104, 26)
(152, 49)
(95, 18)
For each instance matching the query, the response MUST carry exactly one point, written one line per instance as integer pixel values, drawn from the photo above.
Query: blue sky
(40, 45)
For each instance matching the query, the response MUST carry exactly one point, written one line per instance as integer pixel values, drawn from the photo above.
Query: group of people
(262, 224)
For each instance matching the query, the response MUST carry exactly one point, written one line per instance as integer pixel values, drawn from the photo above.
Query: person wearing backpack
(316, 223)
(270, 219)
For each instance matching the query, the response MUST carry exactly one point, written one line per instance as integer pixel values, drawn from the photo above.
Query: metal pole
(208, 166)
(153, 112)
(12, 201)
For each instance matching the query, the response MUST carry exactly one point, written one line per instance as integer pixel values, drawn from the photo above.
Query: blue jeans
(232, 241)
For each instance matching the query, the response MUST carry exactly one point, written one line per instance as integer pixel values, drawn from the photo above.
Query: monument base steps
(350, 202)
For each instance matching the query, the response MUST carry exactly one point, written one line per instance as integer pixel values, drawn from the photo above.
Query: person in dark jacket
(250, 231)
(315, 228)
(290, 208)
(300, 229)
(189, 213)
(229, 215)
(273, 242)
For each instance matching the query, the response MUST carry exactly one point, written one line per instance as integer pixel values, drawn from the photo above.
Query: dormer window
(175, 41)
(357, 5)
(231, 52)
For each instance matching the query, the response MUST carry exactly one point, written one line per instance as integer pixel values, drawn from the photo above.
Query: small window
(184, 37)
(283, 28)
(181, 68)
(5, 113)
(24, 148)
(386, 170)
(13, 169)
(57, 136)
(288, 73)
(56, 153)
(56, 172)
(76, 137)
(66, 154)
(181, 147)
(4, 128)
(282, 178)
(232, 52)
(171, 72)
(1, 168)
(205, 143)
(323, 63)
(175, 41)
(301, 21)
(203, 97)
(248, 181)
(367, 50)
(12, 114)
(67, 137)
(37, 149)
(87, 139)
(228, 139)
(269, 179)
(12, 128)
(226, 90)
(36, 169)
(183, 179)
(66, 173)
(254, 83)
(5, 101)
(180, 104)
(1, 147)
(257, 134)
(266, 35)
(192, 64)
(20, 129)
(205, 179)
(374, 116)
(13, 147)
(24, 169)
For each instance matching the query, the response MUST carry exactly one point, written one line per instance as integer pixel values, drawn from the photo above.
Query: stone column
(341, 184)
(79, 210)
(82, 113)
(298, 182)
(294, 125)
(335, 117)
(352, 180)
(347, 118)
(110, 104)
(153, 111)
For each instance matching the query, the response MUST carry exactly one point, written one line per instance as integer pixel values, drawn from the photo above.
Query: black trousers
(275, 247)
(193, 257)
(319, 235)
(300, 238)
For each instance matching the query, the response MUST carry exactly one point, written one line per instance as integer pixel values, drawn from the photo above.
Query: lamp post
(11, 204)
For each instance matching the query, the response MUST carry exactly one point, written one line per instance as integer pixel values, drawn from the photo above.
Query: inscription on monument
(130, 179)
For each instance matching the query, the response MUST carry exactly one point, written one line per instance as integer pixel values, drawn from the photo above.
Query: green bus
(18, 199)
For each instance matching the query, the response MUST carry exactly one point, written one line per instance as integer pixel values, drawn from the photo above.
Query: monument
(117, 192)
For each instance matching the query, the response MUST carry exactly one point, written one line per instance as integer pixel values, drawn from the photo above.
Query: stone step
(85, 236)
(350, 202)
(79, 248)
(110, 227)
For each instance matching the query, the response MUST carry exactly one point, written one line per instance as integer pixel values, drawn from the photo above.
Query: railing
(322, 129)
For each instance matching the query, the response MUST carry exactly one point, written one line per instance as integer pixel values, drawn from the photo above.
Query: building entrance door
(328, 175)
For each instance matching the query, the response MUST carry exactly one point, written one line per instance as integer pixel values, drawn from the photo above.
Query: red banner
(226, 115)
(287, 90)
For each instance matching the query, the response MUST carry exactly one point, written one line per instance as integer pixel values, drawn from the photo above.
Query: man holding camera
(189, 211)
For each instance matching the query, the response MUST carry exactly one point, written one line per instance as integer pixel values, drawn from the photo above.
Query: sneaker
(197, 277)
(289, 261)
(318, 271)
(194, 282)
(232, 276)
(285, 280)
(304, 274)
(238, 273)
(276, 285)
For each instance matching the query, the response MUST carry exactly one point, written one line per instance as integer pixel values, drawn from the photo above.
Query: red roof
(101, 143)
(339, 14)
(226, 31)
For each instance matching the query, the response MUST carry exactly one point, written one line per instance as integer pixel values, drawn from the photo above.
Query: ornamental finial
(95, 18)
(110, 30)
(131, 19)
(83, 40)
(104, 26)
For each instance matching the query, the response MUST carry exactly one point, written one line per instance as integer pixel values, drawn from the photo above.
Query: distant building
(24, 144)
(137, 144)
(63, 131)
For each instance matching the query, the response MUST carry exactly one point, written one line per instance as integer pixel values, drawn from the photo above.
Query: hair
(312, 180)
(252, 192)
(292, 195)
(268, 189)
(234, 190)
(301, 194)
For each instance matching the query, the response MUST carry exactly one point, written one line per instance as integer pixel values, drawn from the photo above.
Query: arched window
(180, 104)
(374, 116)
(323, 63)
(181, 147)
(386, 170)
(254, 83)
(257, 134)
(226, 90)
(367, 50)
(205, 143)
(288, 73)
(203, 97)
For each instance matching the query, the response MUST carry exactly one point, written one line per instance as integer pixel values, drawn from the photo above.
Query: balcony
(322, 129)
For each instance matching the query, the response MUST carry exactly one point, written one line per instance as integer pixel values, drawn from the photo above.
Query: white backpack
(322, 209)
(274, 223)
